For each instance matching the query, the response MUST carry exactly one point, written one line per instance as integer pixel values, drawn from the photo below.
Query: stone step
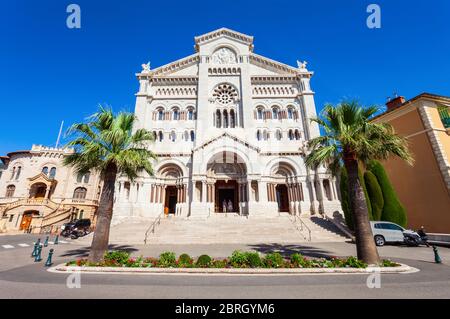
(229, 229)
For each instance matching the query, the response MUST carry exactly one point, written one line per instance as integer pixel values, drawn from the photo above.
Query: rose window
(225, 94)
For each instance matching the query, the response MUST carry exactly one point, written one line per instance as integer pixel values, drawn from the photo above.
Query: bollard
(46, 242)
(56, 239)
(35, 249)
(49, 262)
(38, 255)
(437, 258)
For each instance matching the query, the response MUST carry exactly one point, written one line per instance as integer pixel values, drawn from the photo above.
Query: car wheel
(379, 240)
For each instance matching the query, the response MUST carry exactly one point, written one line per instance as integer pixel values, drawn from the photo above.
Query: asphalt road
(21, 277)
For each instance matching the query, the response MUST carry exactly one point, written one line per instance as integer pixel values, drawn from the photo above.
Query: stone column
(203, 191)
(250, 197)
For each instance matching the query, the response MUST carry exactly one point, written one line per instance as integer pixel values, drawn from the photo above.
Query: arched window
(275, 112)
(52, 173)
(290, 113)
(126, 187)
(190, 114)
(79, 193)
(225, 119)
(279, 135)
(232, 119)
(265, 135)
(186, 136)
(79, 178)
(173, 136)
(218, 119)
(291, 135)
(161, 136)
(160, 114)
(19, 170)
(175, 114)
(192, 136)
(45, 170)
(258, 135)
(155, 136)
(86, 177)
(297, 135)
(13, 172)
(260, 113)
(10, 190)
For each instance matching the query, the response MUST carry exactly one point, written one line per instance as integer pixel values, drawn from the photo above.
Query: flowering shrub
(388, 263)
(238, 259)
(116, 256)
(273, 260)
(203, 261)
(185, 261)
(241, 259)
(167, 259)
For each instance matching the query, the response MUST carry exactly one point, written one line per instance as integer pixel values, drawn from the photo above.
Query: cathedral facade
(230, 129)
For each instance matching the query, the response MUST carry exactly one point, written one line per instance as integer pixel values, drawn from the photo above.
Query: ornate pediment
(264, 66)
(42, 178)
(224, 32)
(187, 66)
(226, 135)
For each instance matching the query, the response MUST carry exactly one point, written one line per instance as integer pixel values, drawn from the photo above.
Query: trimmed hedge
(345, 201)
(239, 259)
(366, 194)
(393, 210)
(375, 194)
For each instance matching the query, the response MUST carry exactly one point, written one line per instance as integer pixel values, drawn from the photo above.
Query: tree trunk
(104, 215)
(365, 244)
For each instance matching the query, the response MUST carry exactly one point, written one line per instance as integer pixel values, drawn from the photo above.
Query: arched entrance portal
(227, 177)
(38, 190)
(172, 190)
(284, 188)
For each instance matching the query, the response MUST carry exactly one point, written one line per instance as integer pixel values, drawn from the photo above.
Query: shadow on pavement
(84, 251)
(286, 250)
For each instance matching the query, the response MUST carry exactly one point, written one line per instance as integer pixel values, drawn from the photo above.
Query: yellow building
(424, 188)
(38, 193)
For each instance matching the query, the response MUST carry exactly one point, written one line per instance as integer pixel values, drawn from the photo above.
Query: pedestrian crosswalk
(22, 245)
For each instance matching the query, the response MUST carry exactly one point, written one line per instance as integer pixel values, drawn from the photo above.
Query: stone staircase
(224, 229)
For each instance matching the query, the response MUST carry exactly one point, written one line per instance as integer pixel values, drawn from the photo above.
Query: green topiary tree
(345, 204)
(366, 194)
(375, 194)
(393, 210)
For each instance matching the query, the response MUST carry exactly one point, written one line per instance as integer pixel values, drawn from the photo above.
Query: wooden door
(26, 221)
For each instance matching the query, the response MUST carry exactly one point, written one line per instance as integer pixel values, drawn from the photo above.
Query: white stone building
(230, 127)
(38, 193)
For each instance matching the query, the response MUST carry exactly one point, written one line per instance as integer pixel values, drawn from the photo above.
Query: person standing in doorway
(224, 206)
(230, 206)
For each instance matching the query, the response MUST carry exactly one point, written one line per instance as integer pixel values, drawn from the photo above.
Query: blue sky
(51, 73)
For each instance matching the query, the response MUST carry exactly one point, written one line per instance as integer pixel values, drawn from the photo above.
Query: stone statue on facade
(224, 56)
(146, 67)
(302, 65)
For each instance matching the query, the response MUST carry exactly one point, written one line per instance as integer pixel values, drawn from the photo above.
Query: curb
(62, 268)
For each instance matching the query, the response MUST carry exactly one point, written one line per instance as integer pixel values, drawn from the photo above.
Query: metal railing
(152, 227)
(301, 226)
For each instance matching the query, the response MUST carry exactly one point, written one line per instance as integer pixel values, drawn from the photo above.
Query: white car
(387, 232)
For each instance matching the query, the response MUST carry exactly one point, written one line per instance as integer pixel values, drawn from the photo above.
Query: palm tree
(107, 144)
(351, 138)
